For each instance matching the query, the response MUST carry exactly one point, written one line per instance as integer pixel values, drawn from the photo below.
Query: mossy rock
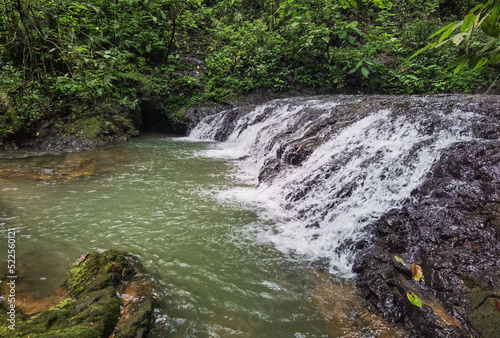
(137, 325)
(95, 315)
(99, 271)
(484, 313)
(94, 308)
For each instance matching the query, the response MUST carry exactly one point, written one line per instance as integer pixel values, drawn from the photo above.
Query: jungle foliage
(71, 60)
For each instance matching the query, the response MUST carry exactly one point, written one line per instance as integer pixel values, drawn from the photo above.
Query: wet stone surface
(450, 228)
(108, 295)
(449, 223)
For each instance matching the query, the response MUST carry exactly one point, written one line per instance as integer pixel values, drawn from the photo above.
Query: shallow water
(157, 198)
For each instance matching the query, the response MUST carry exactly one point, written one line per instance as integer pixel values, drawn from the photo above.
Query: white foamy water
(365, 165)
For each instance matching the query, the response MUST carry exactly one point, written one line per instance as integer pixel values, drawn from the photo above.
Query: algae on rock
(94, 307)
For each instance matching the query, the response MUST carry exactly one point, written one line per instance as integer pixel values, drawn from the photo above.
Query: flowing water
(235, 255)
(158, 198)
(365, 158)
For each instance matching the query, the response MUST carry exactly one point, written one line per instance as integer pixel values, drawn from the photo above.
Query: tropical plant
(483, 18)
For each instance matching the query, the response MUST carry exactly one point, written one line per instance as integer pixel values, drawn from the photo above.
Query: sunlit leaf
(457, 39)
(413, 298)
(416, 271)
(468, 23)
(400, 260)
(449, 31)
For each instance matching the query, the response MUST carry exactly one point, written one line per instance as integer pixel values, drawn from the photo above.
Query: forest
(64, 63)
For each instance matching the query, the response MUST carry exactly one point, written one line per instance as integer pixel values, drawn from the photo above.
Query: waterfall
(329, 166)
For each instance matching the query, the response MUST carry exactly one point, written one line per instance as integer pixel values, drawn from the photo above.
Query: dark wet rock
(110, 297)
(451, 228)
(449, 225)
(293, 154)
(59, 136)
(193, 115)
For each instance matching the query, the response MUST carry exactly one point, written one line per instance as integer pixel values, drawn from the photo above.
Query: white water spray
(364, 165)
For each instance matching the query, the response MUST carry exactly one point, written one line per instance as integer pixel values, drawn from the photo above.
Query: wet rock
(449, 224)
(110, 295)
(83, 134)
(450, 228)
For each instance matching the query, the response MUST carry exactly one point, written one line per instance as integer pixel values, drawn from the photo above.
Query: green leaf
(468, 22)
(475, 8)
(495, 13)
(480, 63)
(460, 66)
(458, 61)
(365, 71)
(494, 59)
(421, 50)
(400, 260)
(413, 298)
(449, 31)
(445, 28)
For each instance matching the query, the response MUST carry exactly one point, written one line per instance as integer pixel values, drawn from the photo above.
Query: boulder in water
(110, 296)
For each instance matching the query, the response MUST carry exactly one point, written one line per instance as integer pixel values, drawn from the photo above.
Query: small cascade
(322, 169)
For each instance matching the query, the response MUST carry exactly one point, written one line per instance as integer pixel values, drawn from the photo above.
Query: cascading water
(322, 169)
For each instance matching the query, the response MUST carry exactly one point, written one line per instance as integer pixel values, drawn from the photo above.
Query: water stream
(158, 198)
(237, 232)
(364, 157)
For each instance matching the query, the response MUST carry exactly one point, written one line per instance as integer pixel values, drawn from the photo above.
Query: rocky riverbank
(451, 228)
(108, 294)
(448, 223)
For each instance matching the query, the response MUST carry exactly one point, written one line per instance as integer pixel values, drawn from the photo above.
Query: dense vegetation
(65, 61)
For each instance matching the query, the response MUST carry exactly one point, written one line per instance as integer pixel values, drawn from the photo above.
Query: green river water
(155, 198)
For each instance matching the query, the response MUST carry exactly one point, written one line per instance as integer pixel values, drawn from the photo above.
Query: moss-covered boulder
(96, 307)
(96, 271)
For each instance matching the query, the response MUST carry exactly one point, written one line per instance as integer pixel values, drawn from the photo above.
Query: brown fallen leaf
(82, 258)
(416, 271)
(497, 303)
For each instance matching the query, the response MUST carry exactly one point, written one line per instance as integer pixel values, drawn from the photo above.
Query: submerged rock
(97, 306)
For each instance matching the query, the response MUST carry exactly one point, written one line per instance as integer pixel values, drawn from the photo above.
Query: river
(159, 198)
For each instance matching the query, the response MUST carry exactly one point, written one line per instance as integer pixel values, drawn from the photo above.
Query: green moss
(93, 311)
(99, 271)
(91, 128)
(101, 308)
(85, 128)
(483, 314)
(137, 325)
(124, 125)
